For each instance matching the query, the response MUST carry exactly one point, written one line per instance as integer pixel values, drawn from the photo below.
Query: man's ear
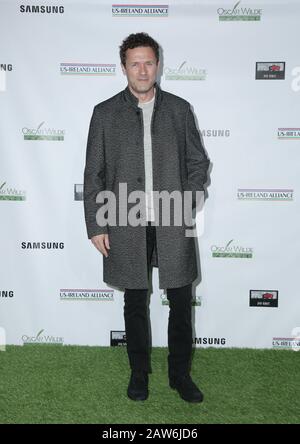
(123, 68)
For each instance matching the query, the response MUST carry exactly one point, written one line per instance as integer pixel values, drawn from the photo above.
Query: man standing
(145, 139)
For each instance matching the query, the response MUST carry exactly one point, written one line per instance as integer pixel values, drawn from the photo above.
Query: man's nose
(143, 68)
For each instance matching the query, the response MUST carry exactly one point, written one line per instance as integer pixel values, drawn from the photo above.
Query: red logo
(267, 296)
(274, 68)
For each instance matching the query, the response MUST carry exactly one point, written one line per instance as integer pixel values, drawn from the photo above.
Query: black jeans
(179, 324)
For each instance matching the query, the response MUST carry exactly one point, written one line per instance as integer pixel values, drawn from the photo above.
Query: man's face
(141, 68)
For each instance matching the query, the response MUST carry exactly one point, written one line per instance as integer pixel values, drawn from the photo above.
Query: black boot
(138, 385)
(187, 389)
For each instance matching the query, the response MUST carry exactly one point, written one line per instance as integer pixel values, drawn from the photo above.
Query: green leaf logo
(181, 66)
(236, 5)
(39, 126)
(40, 332)
(228, 244)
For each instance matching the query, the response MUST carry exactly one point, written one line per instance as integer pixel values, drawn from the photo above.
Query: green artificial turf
(72, 384)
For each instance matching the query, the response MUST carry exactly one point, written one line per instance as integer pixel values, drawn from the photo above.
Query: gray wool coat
(115, 154)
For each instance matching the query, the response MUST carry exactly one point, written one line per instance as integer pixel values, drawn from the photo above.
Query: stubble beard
(140, 89)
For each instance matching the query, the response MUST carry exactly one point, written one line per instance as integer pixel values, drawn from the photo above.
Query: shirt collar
(134, 101)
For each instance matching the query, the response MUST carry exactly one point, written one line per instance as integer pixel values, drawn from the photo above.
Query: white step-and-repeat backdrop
(238, 64)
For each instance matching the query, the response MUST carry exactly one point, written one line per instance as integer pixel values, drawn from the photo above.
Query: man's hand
(101, 242)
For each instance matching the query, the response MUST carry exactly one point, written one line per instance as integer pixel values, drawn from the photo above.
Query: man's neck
(144, 97)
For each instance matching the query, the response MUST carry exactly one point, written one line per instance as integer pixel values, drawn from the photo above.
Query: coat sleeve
(197, 162)
(94, 174)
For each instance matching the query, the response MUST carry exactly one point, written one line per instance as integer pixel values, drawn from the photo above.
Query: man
(146, 139)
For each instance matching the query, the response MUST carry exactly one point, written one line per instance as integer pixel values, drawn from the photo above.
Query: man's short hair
(136, 40)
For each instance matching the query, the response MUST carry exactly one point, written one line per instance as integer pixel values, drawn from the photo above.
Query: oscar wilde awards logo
(184, 72)
(41, 339)
(43, 133)
(11, 193)
(239, 14)
(232, 251)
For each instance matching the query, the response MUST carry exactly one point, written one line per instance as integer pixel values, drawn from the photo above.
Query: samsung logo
(37, 9)
(42, 245)
(6, 67)
(6, 294)
(209, 341)
(215, 132)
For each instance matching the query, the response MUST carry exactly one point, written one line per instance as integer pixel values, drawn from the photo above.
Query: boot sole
(137, 398)
(186, 399)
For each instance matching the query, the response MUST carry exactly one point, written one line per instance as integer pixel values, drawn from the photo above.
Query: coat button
(139, 179)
